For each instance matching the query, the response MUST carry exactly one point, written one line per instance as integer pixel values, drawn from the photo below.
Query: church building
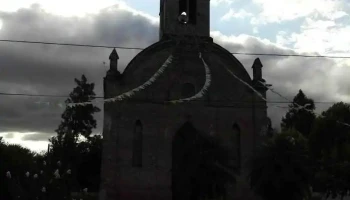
(185, 117)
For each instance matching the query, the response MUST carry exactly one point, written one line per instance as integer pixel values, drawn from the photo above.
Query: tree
(14, 159)
(300, 119)
(91, 154)
(329, 132)
(330, 147)
(270, 130)
(282, 169)
(79, 120)
(76, 121)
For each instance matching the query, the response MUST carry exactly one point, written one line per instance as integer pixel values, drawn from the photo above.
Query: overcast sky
(257, 26)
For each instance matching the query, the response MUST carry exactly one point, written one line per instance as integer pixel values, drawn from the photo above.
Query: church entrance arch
(184, 162)
(195, 174)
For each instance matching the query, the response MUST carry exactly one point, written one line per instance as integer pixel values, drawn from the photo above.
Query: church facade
(153, 145)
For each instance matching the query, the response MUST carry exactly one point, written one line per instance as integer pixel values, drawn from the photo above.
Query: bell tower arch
(197, 13)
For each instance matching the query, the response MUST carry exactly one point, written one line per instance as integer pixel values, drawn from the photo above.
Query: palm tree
(282, 169)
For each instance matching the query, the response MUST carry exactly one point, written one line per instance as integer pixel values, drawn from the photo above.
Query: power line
(139, 48)
(32, 95)
(291, 55)
(70, 44)
(100, 97)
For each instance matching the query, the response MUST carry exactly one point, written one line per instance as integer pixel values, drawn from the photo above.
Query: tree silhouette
(300, 119)
(282, 169)
(76, 121)
(329, 144)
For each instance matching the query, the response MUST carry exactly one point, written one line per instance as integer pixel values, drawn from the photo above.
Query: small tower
(258, 81)
(112, 74)
(113, 58)
(197, 11)
(257, 72)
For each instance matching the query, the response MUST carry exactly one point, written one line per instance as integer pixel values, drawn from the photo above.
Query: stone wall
(227, 101)
(159, 126)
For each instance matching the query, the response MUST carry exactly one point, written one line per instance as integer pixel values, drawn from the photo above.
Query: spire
(114, 57)
(257, 63)
(257, 72)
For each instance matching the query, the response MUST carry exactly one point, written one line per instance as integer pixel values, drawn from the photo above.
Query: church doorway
(197, 162)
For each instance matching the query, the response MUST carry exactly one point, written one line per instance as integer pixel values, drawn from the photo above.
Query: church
(184, 117)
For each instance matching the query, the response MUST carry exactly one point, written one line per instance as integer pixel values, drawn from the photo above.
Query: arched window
(237, 134)
(137, 145)
(188, 90)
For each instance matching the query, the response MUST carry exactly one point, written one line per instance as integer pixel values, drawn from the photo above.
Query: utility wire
(139, 48)
(70, 44)
(100, 97)
(34, 95)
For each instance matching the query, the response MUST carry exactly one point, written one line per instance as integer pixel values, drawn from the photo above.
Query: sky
(313, 27)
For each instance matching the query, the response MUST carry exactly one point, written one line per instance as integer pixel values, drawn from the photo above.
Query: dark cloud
(315, 76)
(49, 69)
(9, 136)
(36, 137)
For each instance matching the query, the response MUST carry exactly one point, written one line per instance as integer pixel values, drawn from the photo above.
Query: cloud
(49, 69)
(277, 11)
(75, 8)
(219, 2)
(324, 36)
(9, 135)
(231, 14)
(36, 137)
(289, 74)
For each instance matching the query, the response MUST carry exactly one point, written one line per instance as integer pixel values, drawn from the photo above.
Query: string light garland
(246, 84)
(205, 87)
(207, 82)
(135, 90)
(299, 107)
(132, 92)
(164, 66)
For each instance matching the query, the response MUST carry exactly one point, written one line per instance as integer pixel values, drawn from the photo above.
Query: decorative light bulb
(183, 18)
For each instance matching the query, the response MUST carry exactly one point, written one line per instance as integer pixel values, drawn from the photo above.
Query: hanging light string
(168, 61)
(207, 82)
(300, 107)
(264, 128)
(205, 87)
(165, 65)
(199, 94)
(132, 92)
(243, 82)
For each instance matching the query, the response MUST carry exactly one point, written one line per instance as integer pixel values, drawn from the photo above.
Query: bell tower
(197, 14)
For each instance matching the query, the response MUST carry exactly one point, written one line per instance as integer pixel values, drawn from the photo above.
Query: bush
(45, 184)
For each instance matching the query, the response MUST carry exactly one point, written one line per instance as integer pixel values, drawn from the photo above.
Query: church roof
(168, 44)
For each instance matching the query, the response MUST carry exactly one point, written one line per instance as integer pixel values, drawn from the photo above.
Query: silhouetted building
(154, 150)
